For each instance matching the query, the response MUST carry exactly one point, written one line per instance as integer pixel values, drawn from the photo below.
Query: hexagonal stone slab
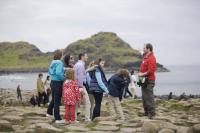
(105, 128)
(110, 123)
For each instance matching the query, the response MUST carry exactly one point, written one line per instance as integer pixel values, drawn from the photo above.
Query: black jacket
(116, 86)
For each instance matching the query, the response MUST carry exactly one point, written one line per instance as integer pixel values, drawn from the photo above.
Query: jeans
(98, 99)
(56, 87)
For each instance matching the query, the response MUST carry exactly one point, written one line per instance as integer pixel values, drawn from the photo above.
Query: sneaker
(50, 116)
(60, 122)
(77, 121)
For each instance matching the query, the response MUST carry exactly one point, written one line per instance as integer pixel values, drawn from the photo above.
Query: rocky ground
(172, 117)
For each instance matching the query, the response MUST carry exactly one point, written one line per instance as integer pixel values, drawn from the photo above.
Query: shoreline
(162, 97)
(38, 70)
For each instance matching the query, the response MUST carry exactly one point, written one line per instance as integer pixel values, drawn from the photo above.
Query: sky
(172, 26)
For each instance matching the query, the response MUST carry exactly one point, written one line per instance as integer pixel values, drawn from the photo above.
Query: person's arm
(122, 89)
(100, 82)
(60, 71)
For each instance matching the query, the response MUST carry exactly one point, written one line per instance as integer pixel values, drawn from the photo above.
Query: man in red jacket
(148, 69)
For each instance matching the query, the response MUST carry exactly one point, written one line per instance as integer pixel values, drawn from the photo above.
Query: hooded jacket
(56, 70)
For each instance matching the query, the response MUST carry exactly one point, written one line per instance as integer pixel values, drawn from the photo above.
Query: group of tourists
(73, 84)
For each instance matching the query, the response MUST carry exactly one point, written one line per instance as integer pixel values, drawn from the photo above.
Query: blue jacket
(56, 70)
(116, 86)
(98, 82)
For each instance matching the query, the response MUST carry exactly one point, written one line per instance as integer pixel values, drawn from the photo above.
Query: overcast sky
(172, 26)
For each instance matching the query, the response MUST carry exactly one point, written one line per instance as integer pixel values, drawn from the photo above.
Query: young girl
(71, 96)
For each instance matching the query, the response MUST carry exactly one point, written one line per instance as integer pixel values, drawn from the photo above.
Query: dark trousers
(56, 88)
(148, 98)
(19, 96)
(42, 97)
(33, 101)
(98, 99)
(48, 94)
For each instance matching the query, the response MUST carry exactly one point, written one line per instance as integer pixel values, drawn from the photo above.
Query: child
(71, 96)
(116, 85)
(33, 100)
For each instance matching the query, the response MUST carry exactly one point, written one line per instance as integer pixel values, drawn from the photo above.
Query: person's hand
(107, 92)
(81, 91)
(140, 74)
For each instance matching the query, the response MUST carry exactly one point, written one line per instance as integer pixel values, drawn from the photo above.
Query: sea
(180, 79)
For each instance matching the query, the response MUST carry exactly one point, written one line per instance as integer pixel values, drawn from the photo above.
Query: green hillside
(22, 56)
(25, 57)
(108, 46)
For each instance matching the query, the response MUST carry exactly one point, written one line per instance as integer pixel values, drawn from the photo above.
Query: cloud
(167, 24)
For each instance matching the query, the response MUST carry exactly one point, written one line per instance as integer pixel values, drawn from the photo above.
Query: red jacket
(70, 93)
(149, 65)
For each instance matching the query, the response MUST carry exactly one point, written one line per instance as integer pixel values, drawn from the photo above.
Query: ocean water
(180, 79)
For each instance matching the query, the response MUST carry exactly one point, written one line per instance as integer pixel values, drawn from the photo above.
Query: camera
(142, 81)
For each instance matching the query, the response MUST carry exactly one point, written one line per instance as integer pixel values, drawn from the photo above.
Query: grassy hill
(25, 57)
(22, 56)
(108, 46)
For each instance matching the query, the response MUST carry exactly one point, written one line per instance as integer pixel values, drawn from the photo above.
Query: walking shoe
(50, 116)
(151, 115)
(145, 114)
(77, 121)
(60, 122)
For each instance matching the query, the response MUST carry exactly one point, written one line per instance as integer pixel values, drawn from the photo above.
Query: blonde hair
(70, 74)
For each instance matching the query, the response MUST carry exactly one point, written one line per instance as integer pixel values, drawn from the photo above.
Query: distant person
(183, 96)
(56, 71)
(47, 87)
(34, 100)
(19, 95)
(80, 75)
(71, 96)
(88, 79)
(148, 69)
(41, 90)
(170, 96)
(132, 85)
(98, 85)
(116, 86)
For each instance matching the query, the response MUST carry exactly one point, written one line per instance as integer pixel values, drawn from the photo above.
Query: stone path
(172, 117)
